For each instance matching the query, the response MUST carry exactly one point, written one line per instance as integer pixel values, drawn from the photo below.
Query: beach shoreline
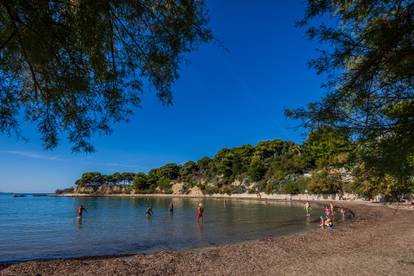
(244, 196)
(375, 242)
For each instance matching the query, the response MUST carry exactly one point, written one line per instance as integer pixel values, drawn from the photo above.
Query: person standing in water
(327, 211)
(80, 211)
(331, 206)
(343, 213)
(200, 212)
(148, 212)
(308, 209)
(171, 207)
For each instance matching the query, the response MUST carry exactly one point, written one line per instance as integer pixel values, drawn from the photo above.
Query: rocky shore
(379, 241)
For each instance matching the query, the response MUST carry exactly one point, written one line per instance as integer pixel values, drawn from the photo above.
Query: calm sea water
(47, 227)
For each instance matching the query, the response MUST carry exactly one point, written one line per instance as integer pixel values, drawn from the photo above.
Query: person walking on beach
(200, 212)
(80, 211)
(148, 212)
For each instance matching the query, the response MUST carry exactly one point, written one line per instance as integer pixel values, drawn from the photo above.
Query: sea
(40, 227)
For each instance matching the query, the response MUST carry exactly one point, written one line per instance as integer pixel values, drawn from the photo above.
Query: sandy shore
(379, 241)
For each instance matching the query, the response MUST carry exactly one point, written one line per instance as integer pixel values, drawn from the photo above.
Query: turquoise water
(47, 227)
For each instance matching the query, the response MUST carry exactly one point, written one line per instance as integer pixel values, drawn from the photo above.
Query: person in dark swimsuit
(171, 208)
(148, 212)
(80, 210)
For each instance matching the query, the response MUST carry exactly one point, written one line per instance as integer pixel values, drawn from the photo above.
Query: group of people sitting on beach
(325, 220)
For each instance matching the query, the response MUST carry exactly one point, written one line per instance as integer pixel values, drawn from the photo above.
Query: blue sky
(222, 99)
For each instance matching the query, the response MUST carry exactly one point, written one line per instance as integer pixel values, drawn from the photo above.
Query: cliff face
(104, 189)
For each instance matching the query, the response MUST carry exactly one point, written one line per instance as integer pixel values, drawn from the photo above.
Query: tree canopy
(271, 166)
(74, 68)
(369, 60)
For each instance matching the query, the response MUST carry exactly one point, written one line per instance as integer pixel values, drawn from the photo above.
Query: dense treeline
(327, 162)
(324, 163)
(368, 59)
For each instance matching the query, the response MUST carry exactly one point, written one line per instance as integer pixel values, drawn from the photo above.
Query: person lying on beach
(80, 210)
(148, 212)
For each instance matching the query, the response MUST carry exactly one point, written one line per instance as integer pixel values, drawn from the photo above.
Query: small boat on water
(19, 195)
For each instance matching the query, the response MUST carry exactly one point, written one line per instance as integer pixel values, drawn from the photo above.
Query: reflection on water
(47, 227)
(79, 222)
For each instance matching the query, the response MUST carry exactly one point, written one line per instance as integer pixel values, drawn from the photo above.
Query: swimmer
(80, 211)
(171, 207)
(200, 212)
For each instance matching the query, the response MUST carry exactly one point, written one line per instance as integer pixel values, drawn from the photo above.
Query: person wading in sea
(308, 209)
(171, 207)
(200, 212)
(148, 212)
(80, 211)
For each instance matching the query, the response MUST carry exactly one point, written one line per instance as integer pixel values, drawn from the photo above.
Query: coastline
(367, 245)
(258, 196)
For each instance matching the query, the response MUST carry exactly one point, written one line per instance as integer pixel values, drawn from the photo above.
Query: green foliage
(290, 187)
(325, 182)
(227, 190)
(370, 67)
(370, 182)
(224, 162)
(238, 189)
(64, 191)
(290, 163)
(90, 178)
(140, 182)
(77, 67)
(327, 146)
(188, 170)
(268, 160)
(278, 167)
(210, 189)
(257, 170)
(170, 171)
(164, 184)
(294, 186)
(269, 188)
(267, 149)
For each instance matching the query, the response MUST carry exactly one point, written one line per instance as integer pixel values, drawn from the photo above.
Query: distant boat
(17, 195)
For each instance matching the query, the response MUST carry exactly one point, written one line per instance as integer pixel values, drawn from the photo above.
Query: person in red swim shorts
(200, 211)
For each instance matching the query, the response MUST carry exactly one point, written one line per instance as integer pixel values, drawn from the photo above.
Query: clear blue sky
(222, 99)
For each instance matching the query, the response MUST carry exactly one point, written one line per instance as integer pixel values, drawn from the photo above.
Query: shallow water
(47, 227)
